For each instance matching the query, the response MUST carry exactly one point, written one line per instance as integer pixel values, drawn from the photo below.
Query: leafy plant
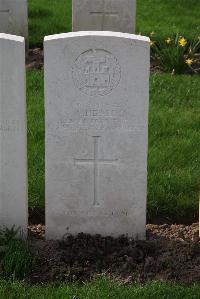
(175, 54)
(15, 255)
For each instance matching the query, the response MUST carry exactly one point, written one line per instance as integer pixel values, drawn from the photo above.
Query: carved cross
(95, 161)
(103, 13)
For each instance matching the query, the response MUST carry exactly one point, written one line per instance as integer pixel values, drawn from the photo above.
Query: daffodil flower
(152, 33)
(182, 42)
(152, 43)
(189, 61)
(168, 40)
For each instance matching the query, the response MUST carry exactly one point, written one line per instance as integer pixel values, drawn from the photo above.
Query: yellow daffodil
(152, 33)
(182, 42)
(152, 43)
(189, 61)
(168, 40)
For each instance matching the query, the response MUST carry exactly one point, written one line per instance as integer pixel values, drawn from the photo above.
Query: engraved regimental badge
(96, 72)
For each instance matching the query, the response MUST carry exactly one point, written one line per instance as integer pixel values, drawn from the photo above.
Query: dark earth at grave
(170, 253)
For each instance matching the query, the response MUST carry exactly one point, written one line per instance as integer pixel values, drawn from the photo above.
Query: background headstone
(105, 15)
(13, 153)
(96, 99)
(14, 17)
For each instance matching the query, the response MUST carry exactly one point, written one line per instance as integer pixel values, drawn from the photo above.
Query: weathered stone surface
(13, 153)
(107, 15)
(96, 98)
(14, 17)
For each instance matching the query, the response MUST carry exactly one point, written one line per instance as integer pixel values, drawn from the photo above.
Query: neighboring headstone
(14, 17)
(106, 15)
(96, 98)
(13, 154)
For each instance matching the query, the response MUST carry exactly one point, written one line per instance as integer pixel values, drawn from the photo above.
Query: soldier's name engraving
(95, 118)
(117, 112)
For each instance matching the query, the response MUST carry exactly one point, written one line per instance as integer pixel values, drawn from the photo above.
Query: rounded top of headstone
(12, 37)
(139, 38)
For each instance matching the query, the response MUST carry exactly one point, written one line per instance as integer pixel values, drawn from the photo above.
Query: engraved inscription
(96, 72)
(84, 118)
(104, 14)
(92, 213)
(95, 162)
(7, 126)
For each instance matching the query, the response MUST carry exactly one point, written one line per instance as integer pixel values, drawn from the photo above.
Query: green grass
(35, 112)
(48, 17)
(174, 145)
(165, 17)
(101, 289)
(15, 255)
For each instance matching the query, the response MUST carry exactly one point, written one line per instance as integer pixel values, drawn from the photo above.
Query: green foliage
(15, 255)
(174, 144)
(48, 17)
(101, 289)
(35, 111)
(174, 54)
(168, 17)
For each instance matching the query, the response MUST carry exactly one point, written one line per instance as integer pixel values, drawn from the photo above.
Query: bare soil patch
(35, 59)
(170, 253)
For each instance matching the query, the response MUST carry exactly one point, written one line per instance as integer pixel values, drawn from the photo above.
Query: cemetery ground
(103, 267)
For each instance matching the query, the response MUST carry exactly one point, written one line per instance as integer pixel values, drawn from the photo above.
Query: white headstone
(96, 98)
(14, 17)
(109, 15)
(13, 161)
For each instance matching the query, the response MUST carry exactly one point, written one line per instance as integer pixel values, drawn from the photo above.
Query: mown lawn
(48, 17)
(36, 135)
(162, 16)
(174, 145)
(101, 289)
(167, 17)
